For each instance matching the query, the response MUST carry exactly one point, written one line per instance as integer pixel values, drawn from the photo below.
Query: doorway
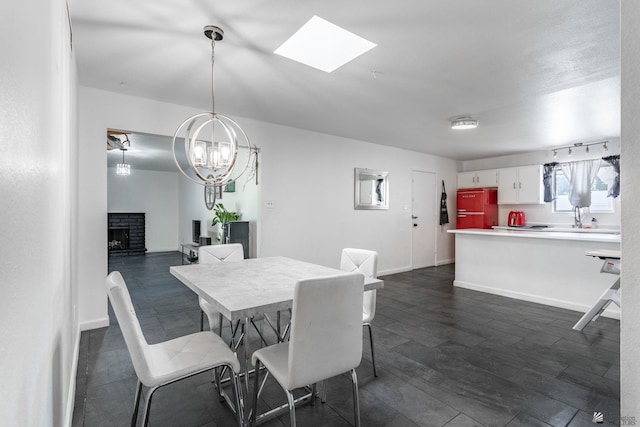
(423, 214)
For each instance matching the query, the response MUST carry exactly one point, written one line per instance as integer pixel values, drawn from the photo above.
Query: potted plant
(222, 216)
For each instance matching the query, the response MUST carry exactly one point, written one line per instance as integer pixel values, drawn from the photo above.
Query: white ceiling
(536, 74)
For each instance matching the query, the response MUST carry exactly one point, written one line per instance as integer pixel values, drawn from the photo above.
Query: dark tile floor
(446, 357)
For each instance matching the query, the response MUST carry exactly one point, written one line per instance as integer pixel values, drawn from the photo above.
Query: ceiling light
(123, 168)
(555, 154)
(323, 45)
(114, 142)
(604, 147)
(211, 140)
(464, 123)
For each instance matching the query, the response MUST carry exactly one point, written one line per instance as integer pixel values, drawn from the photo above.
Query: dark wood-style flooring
(446, 357)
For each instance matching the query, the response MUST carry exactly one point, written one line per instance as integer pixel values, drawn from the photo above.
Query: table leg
(247, 353)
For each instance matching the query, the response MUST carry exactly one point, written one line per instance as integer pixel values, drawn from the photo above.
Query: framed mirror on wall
(371, 189)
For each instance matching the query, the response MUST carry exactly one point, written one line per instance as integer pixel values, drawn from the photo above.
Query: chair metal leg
(147, 407)
(235, 385)
(256, 387)
(292, 409)
(216, 379)
(373, 355)
(356, 400)
(323, 396)
(201, 320)
(314, 389)
(136, 404)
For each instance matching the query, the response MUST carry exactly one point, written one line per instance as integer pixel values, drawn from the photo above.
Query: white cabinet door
(530, 184)
(521, 185)
(508, 186)
(467, 180)
(487, 178)
(478, 179)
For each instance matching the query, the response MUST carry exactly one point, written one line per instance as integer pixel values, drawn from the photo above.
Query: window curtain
(547, 176)
(614, 161)
(581, 176)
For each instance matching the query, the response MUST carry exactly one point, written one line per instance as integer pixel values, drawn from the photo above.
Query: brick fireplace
(126, 234)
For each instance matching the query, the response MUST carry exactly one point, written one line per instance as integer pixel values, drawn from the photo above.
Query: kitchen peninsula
(545, 267)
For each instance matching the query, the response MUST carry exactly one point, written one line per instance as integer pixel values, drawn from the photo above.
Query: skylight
(323, 45)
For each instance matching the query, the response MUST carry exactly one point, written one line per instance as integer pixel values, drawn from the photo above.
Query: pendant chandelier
(123, 168)
(115, 142)
(211, 141)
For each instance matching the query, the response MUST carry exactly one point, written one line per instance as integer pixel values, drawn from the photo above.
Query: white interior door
(424, 220)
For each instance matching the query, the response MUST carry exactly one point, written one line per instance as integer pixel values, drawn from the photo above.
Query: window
(599, 200)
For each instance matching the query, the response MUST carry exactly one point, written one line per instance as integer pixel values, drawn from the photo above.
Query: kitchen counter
(539, 266)
(542, 234)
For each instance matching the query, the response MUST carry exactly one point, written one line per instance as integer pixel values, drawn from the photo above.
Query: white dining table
(240, 290)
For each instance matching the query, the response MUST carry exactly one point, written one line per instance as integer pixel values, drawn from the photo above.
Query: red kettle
(516, 219)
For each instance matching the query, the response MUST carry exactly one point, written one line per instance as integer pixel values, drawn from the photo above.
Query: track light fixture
(571, 148)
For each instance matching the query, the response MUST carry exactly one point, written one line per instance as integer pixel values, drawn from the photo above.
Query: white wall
(630, 180)
(309, 177)
(543, 213)
(156, 195)
(38, 172)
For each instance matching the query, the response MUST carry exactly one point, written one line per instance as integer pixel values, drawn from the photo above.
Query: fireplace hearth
(126, 234)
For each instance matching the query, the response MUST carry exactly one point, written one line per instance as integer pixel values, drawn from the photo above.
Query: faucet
(577, 218)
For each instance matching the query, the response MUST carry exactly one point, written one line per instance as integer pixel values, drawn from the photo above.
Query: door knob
(414, 217)
(415, 225)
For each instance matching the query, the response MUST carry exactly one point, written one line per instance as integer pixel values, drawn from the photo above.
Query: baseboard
(409, 268)
(394, 271)
(71, 397)
(151, 251)
(611, 312)
(94, 324)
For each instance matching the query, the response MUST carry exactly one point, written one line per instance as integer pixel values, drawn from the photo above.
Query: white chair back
(326, 328)
(365, 262)
(220, 253)
(130, 326)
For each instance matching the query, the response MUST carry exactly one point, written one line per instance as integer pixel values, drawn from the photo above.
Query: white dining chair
(209, 255)
(365, 262)
(157, 365)
(212, 254)
(325, 339)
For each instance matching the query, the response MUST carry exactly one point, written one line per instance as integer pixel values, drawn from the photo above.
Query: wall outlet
(270, 204)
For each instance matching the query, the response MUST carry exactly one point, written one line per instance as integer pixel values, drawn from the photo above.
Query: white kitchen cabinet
(476, 179)
(520, 185)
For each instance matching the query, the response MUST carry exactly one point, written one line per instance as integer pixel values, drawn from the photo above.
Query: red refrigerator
(477, 208)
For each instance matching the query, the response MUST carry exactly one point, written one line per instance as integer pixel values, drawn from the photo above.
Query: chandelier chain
(213, 102)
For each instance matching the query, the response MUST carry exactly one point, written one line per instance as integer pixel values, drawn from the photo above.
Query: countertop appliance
(477, 208)
(516, 219)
